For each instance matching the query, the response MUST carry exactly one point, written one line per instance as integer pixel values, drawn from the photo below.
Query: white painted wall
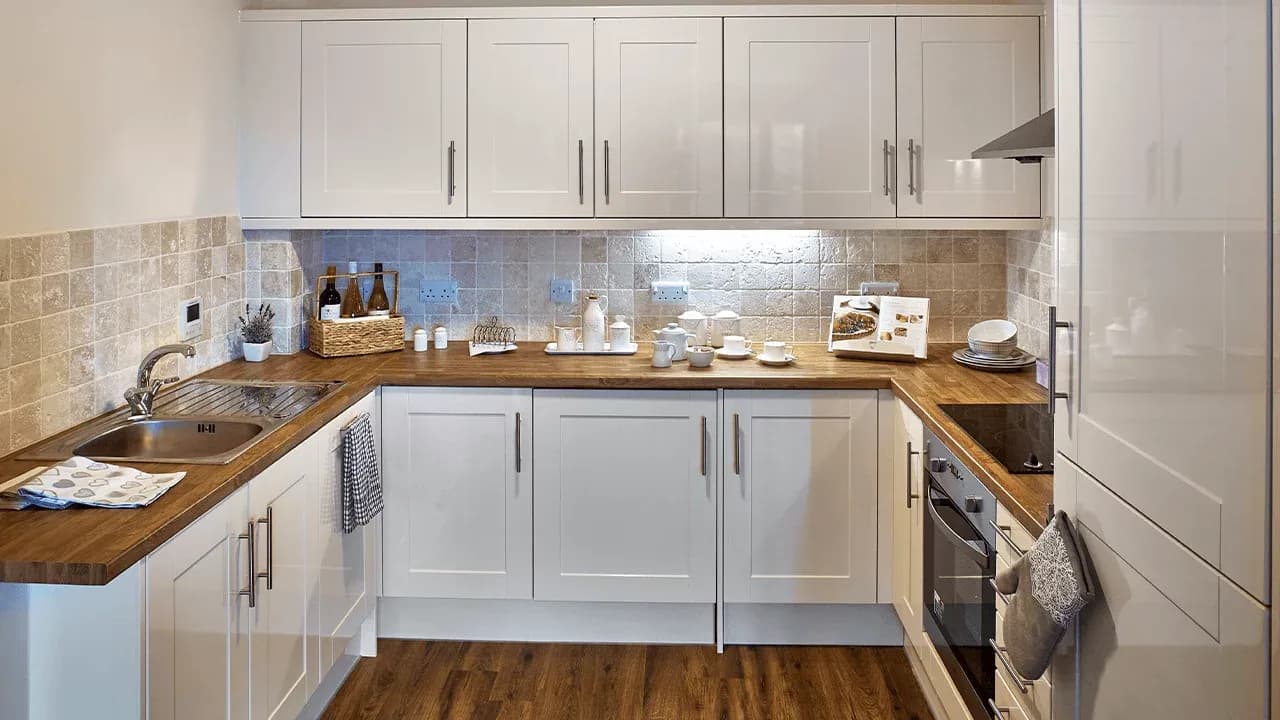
(116, 113)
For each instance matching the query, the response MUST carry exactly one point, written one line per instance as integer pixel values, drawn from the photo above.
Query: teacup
(701, 356)
(774, 350)
(736, 344)
(567, 338)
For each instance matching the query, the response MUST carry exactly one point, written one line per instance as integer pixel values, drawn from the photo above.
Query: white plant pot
(257, 352)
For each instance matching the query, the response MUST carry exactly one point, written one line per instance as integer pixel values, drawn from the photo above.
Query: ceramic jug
(593, 323)
(677, 336)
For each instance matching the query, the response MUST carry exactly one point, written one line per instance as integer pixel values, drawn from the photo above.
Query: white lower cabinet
(625, 507)
(459, 516)
(908, 520)
(346, 578)
(197, 656)
(800, 511)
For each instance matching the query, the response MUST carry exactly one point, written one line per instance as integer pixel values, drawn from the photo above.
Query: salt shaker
(441, 336)
(419, 340)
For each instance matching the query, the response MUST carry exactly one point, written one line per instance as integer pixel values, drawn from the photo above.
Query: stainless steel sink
(203, 422)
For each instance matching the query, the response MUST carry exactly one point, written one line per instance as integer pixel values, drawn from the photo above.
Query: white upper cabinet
(459, 483)
(809, 117)
(626, 497)
(1169, 388)
(658, 92)
(799, 502)
(962, 82)
(530, 118)
(270, 107)
(384, 114)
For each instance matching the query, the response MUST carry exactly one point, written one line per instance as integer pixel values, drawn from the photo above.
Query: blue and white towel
(361, 479)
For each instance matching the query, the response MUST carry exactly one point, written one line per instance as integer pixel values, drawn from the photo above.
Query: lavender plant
(255, 327)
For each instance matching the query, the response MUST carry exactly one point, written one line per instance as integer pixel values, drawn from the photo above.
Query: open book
(886, 327)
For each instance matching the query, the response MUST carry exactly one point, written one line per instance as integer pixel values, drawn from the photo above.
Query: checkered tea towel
(361, 481)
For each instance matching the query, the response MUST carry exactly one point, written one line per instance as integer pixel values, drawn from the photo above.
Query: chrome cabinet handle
(1008, 668)
(1002, 596)
(606, 173)
(1054, 326)
(453, 186)
(737, 447)
(519, 451)
(910, 495)
(999, 711)
(911, 166)
(269, 575)
(1003, 531)
(581, 181)
(702, 446)
(886, 168)
(252, 590)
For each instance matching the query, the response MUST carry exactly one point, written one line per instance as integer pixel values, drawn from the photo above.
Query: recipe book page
(887, 325)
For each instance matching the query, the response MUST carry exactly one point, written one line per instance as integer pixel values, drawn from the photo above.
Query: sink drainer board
(278, 401)
(200, 422)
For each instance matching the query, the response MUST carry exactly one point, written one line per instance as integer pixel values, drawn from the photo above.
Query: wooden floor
(509, 681)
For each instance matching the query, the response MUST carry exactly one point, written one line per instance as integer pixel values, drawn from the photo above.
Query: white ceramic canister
(677, 336)
(419, 340)
(697, 325)
(593, 323)
(441, 337)
(726, 322)
(619, 333)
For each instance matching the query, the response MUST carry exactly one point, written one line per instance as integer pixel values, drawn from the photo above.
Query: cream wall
(116, 113)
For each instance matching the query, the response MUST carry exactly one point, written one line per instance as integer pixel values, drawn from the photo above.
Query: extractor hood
(1027, 143)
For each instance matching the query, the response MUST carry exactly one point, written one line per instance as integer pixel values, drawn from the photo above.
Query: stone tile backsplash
(1032, 286)
(781, 282)
(79, 309)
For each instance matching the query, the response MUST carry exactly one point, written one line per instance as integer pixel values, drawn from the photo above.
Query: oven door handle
(970, 547)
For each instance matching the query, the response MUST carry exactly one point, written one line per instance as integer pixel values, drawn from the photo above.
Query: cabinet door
(908, 519)
(343, 581)
(384, 111)
(963, 82)
(667, 163)
(1165, 632)
(459, 515)
(282, 504)
(800, 510)
(529, 99)
(1169, 406)
(626, 501)
(809, 117)
(197, 625)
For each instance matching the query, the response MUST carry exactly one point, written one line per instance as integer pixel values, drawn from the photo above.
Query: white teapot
(697, 325)
(678, 337)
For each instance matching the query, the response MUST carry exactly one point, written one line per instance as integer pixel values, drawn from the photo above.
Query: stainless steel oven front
(959, 561)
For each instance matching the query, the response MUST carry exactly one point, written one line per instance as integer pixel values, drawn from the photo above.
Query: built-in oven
(959, 562)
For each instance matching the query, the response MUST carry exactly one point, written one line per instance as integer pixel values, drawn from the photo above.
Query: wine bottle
(331, 299)
(352, 300)
(378, 304)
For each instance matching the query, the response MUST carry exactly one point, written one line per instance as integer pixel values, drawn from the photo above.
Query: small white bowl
(995, 332)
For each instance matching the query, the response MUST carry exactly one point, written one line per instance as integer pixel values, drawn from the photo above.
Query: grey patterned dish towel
(1049, 586)
(361, 480)
(81, 481)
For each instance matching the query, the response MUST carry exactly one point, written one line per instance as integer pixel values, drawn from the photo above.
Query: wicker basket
(366, 336)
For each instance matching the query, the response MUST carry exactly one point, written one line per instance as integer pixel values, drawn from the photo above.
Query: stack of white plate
(993, 346)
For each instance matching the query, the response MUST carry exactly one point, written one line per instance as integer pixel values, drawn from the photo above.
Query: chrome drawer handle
(999, 711)
(252, 590)
(1008, 668)
(269, 575)
(1003, 531)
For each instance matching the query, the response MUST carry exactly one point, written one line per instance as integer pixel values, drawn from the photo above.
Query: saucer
(728, 354)
(778, 363)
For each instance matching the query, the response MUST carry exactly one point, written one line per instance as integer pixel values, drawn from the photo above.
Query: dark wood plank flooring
(535, 681)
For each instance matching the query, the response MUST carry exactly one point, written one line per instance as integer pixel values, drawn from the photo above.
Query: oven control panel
(968, 492)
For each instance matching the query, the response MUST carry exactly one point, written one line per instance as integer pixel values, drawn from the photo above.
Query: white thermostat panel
(190, 322)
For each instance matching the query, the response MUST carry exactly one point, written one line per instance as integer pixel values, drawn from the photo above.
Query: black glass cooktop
(1020, 436)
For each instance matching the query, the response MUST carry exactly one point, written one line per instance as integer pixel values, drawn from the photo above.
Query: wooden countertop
(91, 546)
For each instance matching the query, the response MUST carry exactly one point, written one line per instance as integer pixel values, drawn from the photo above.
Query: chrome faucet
(142, 397)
